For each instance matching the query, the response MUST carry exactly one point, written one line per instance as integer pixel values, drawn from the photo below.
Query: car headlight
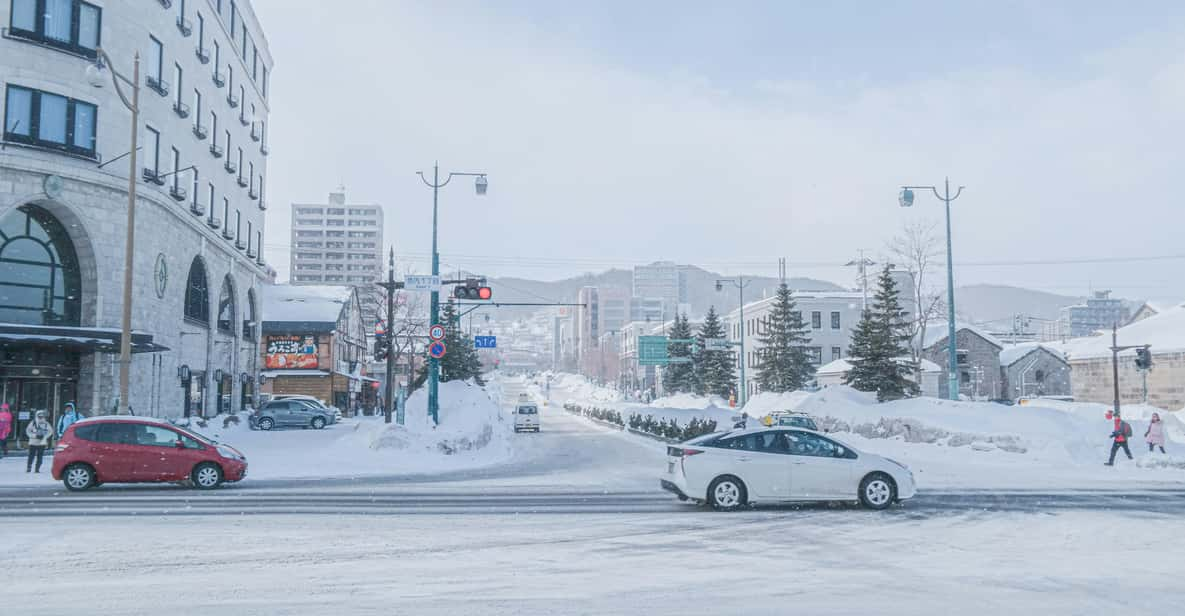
(227, 452)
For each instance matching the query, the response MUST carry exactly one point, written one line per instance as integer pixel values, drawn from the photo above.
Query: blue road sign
(485, 342)
(437, 349)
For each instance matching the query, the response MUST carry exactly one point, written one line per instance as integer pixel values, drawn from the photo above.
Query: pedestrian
(1119, 436)
(1154, 435)
(5, 428)
(69, 418)
(39, 433)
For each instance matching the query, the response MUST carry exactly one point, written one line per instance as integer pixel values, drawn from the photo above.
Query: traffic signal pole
(389, 405)
(1143, 362)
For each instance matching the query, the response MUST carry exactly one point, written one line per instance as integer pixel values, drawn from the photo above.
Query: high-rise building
(663, 281)
(339, 243)
(1098, 313)
(200, 173)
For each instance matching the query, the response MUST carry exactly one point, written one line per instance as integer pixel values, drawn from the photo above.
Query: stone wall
(1093, 381)
(1049, 376)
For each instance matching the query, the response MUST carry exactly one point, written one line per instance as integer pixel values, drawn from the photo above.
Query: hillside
(984, 303)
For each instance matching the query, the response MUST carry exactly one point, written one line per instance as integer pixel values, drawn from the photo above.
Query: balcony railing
(260, 261)
(242, 182)
(219, 79)
(216, 150)
(199, 131)
(158, 85)
(262, 205)
(256, 133)
(197, 209)
(152, 176)
(251, 252)
(230, 166)
(203, 55)
(240, 244)
(213, 223)
(178, 193)
(253, 193)
(232, 100)
(184, 25)
(227, 234)
(243, 119)
(263, 149)
(181, 109)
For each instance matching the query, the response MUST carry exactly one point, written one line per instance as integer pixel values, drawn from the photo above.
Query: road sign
(437, 349)
(652, 351)
(436, 332)
(716, 344)
(421, 283)
(485, 342)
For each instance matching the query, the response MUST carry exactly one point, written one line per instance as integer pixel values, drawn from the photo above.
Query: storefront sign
(290, 352)
(24, 415)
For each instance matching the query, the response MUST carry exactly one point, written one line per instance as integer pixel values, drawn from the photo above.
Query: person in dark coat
(1119, 436)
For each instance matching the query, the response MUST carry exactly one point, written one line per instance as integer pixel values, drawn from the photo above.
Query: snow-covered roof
(1164, 332)
(1014, 353)
(937, 331)
(292, 303)
(842, 366)
(754, 306)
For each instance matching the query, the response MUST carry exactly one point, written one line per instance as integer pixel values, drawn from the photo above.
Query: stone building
(1093, 378)
(1028, 370)
(977, 356)
(201, 176)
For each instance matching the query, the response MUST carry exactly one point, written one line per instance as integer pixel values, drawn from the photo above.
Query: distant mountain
(985, 303)
(701, 289)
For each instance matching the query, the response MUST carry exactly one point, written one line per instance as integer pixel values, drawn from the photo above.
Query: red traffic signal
(473, 289)
(484, 293)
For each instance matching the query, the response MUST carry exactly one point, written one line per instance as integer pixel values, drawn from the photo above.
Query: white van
(526, 417)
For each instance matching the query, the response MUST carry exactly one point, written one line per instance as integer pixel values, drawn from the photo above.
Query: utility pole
(861, 265)
(740, 283)
(390, 286)
(1115, 350)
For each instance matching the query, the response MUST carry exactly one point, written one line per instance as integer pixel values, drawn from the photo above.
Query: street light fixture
(97, 75)
(905, 199)
(481, 184)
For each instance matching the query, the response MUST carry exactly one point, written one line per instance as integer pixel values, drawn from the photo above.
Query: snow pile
(469, 421)
(1159, 460)
(580, 387)
(765, 403)
(689, 401)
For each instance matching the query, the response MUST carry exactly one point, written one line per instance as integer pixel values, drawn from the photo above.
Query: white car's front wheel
(727, 493)
(877, 491)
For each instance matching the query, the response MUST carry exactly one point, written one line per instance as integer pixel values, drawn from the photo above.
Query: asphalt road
(571, 466)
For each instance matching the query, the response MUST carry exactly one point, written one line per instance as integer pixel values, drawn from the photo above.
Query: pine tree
(679, 377)
(460, 361)
(784, 362)
(879, 346)
(714, 368)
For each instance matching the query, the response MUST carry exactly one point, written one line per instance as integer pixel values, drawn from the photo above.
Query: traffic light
(474, 288)
(1143, 358)
(382, 347)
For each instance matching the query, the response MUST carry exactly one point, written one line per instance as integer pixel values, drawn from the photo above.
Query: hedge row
(668, 428)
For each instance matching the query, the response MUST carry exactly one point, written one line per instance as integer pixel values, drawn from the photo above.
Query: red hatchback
(141, 449)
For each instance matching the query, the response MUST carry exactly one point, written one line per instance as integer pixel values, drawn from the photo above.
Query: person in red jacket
(6, 428)
(1120, 434)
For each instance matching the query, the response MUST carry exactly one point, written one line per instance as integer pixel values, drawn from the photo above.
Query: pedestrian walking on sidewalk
(39, 433)
(1155, 433)
(5, 428)
(69, 418)
(1119, 436)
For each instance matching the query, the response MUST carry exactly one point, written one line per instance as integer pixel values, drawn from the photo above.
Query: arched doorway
(197, 312)
(40, 286)
(226, 325)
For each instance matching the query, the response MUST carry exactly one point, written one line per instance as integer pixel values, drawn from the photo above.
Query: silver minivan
(526, 417)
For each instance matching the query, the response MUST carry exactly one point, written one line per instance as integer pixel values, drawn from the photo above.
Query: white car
(526, 417)
(729, 470)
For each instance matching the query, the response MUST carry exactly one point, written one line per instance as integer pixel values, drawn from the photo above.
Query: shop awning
(271, 374)
(355, 376)
(95, 339)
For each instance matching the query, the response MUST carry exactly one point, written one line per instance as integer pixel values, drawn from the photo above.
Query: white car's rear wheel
(877, 491)
(727, 493)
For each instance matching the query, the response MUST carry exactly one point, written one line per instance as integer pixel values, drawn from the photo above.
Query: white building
(835, 372)
(661, 285)
(201, 174)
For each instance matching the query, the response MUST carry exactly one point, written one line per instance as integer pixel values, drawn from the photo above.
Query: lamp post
(480, 185)
(906, 200)
(97, 78)
(740, 283)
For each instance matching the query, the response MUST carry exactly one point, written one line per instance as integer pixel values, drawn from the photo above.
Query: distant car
(526, 417)
(792, 419)
(102, 450)
(291, 412)
(729, 470)
(1003, 401)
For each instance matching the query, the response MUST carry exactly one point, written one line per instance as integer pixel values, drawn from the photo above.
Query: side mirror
(179, 444)
(840, 452)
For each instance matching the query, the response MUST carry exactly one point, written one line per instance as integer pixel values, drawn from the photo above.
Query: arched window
(226, 307)
(197, 295)
(1039, 376)
(40, 282)
(252, 320)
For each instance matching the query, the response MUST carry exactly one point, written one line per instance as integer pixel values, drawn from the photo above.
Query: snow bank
(689, 401)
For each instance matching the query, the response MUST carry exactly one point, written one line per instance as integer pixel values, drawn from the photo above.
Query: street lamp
(740, 283)
(480, 186)
(905, 199)
(96, 75)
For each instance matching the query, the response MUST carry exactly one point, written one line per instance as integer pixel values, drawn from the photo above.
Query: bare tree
(408, 327)
(918, 249)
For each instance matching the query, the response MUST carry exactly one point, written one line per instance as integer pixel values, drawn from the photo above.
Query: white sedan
(729, 470)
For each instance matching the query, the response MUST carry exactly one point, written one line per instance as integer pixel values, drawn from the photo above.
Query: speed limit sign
(436, 332)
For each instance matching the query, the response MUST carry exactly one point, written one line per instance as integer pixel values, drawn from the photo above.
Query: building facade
(663, 281)
(1033, 370)
(336, 243)
(201, 182)
(314, 344)
(1098, 313)
(1162, 386)
(977, 355)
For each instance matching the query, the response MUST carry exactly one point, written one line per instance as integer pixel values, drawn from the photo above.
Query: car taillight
(680, 452)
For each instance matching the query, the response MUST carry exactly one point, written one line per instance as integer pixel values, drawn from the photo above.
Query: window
(49, 120)
(961, 358)
(210, 202)
(151, 153)
(226, 306)
(228, 145)
(230, 80)
(238, 226)
(40, 280)
(807, 444)
(225, 211)
(250, 237)
(195, 187)
(816, 320)
(176, 170)
(336, 211)
(264, 82)
(1039, 376)
(197, 300)
(201, 29)
(197, 107)
(217, 58)
(836, 353)
(835, 319)
(255, 64)
(815, 354)
(764, 442)
(233, 19)
(118, 432)
(249, 323)
(966, 377)
(71, 25)
(156, 66)
(177, 86)
(239, 166)
(153, 436)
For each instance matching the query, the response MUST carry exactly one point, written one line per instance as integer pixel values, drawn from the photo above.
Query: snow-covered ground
(810, 561)
(474, 432)
(956, 445)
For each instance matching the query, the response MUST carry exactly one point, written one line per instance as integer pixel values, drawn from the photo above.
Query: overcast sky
(730, 134)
